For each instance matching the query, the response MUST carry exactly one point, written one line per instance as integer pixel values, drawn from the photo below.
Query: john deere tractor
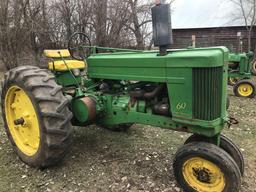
(181, 90)
(241, 71)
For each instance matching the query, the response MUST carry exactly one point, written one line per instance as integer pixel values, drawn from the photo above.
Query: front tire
(227, 145)
(204, 167)
(245, 88)
(36, 116)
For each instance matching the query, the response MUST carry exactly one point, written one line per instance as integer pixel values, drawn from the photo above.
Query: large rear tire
(36, 116)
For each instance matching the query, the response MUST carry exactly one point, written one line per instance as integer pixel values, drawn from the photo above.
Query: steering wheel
(76, 46)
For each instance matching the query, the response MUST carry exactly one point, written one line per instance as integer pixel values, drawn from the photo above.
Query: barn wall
(205, 37)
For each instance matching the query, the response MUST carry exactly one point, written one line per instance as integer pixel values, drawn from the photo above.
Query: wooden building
(213, 22)
(233, 37)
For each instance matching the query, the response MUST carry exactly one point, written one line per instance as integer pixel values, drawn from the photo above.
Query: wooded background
(29, 26)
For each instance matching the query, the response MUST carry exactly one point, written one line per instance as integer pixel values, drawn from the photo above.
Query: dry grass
(139, 160)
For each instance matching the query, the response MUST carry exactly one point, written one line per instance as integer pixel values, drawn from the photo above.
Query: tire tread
(43, 88)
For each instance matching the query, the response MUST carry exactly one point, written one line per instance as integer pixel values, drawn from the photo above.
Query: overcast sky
(203, 13)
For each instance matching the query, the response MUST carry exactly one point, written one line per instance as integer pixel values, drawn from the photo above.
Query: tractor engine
(179, 89)
(142, 97)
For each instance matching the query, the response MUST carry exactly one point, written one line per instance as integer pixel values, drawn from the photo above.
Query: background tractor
(181, 90)
(241, 70)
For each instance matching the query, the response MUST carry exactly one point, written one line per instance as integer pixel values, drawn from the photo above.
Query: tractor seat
(57, 63)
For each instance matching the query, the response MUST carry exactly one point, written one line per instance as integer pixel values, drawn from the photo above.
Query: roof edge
(209, 27)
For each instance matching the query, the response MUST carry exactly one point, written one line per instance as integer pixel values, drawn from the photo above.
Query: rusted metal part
(91, 105)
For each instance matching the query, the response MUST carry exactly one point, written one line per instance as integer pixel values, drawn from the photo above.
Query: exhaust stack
(162, 26)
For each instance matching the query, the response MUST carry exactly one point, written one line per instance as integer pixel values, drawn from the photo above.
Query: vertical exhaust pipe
(162, 26)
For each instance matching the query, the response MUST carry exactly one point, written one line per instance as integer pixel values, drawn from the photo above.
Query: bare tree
(140, 22)
(11, 30)
(140, 17)
(247, 10)
(29, 26)
(66, 9)
(21, 26)
(100, 21)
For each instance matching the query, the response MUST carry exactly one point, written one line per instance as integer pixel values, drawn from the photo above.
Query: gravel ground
(139, 160)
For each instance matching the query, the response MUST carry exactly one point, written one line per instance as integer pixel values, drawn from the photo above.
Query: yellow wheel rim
(22, 120)
(203, 176)
(245, 90)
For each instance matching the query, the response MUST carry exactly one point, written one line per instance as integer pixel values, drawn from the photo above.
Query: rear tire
(206, 167)
(227, 145)
(51, 110)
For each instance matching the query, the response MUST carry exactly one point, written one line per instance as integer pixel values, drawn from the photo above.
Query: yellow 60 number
(181, 106)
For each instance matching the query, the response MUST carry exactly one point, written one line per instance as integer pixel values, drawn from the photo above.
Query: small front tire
(205, 167)
(227, 145)
(245, 88)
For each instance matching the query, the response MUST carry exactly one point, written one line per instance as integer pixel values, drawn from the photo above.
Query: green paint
(66, 79)
(80, 110)
(195, 81)
(244, 67)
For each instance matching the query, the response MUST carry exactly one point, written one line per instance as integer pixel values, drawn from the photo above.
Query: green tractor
(241, 70)
(181, 90)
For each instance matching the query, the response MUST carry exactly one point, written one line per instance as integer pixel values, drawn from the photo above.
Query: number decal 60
(181, 106)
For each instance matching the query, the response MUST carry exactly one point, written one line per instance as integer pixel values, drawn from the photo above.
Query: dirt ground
(139, 160)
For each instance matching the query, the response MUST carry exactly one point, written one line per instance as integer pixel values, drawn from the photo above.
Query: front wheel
(245, 88)
(204, 167)
(227, 145)
(36, 116)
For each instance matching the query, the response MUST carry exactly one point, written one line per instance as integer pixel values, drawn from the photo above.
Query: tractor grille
(207, 91)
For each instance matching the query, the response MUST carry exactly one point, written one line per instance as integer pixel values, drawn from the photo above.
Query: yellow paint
(215, 178)
(56, 53)
(245, 90)
(60, 65)
(26, 136)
